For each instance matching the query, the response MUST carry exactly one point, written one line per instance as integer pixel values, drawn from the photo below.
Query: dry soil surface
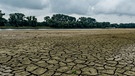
(108, 52)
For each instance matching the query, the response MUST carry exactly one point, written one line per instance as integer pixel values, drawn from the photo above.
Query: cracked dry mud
(67, 53)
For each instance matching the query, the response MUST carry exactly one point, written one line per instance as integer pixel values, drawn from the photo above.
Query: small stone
(39, 71)
(79, 61)
(120, 70)
(109, 58)
(62, 64)
(69, 60)
(108, 71)
(48, 73)
(26, 61)
(100, 68)
(63, 69)
(112, 62)
(127, 67)
(57, 74)
(4, 59)
(41, 63)
(130, 73)
(31, 67)
(7, 71)
(23, 73)
(52, 61)
(79, 66)
(109, 67)
(98, 65)
(89, 71)
(133, 69)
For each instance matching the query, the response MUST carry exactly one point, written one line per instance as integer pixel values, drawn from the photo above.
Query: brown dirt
(97, 52)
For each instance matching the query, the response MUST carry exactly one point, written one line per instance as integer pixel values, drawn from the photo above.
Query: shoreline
(73, 29)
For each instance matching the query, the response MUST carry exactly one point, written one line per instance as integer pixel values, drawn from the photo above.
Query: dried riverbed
(108, 52)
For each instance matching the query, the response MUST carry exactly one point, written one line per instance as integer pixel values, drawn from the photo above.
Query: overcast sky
(114, 11)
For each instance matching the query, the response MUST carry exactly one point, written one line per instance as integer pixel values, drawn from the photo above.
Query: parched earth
(67, 52)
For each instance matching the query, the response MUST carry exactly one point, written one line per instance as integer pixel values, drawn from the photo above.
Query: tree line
(57, 21)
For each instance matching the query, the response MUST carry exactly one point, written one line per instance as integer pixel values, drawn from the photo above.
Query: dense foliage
(57, 21)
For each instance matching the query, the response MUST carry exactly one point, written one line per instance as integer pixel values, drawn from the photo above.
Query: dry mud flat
(67, 53)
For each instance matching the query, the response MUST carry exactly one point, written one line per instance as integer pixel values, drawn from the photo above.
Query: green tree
(46, 21)
(105, 25)
(84, 22)
(17, 19)
(47, 18)
(63, 18)
(32, 21)
(63, 21)
(1, 14)
(2, 20)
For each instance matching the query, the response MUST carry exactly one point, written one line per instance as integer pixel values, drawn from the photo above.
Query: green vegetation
(74, 72)
(19, 20)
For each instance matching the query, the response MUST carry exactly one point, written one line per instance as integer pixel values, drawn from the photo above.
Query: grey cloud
(101, 8)
(30, 4)
(82, 7)
(117, 7)
(89, 7)
(71, 6)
